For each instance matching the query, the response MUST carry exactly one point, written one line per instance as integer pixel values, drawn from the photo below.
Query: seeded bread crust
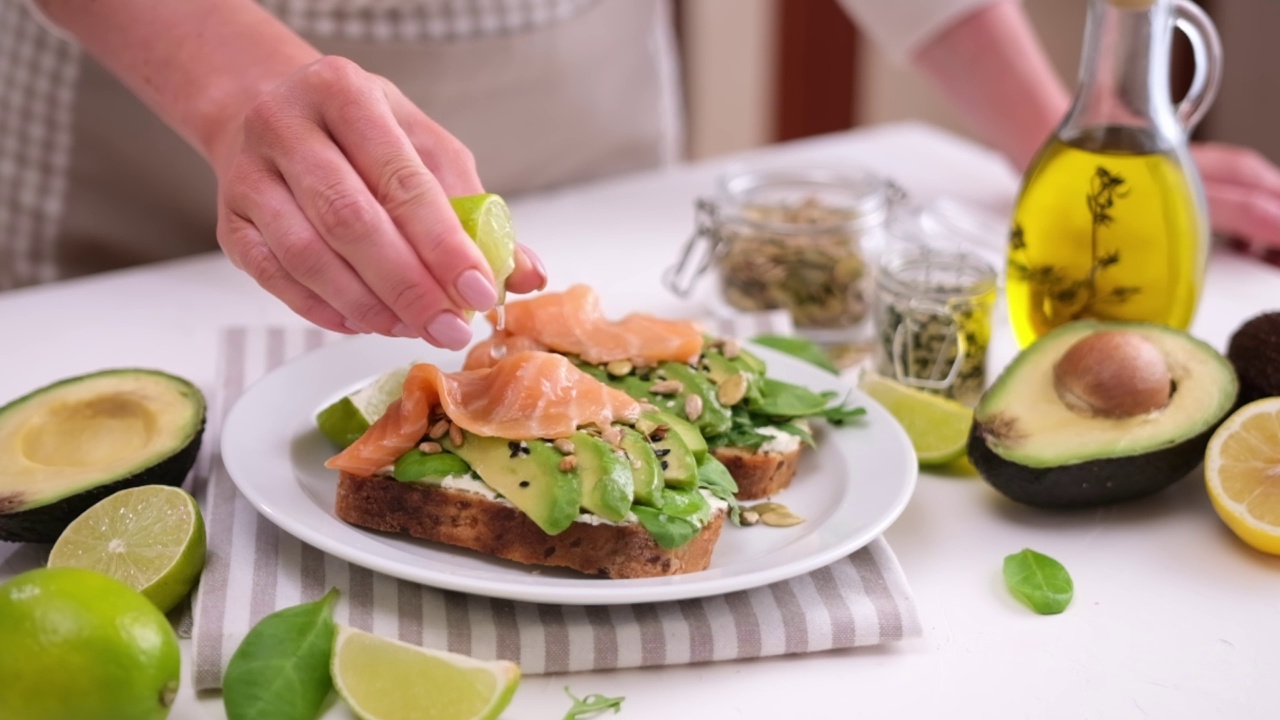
(468, 520)
(758, 474)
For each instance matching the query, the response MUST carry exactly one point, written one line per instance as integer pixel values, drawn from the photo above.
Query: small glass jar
(801, 239)
(933, 310)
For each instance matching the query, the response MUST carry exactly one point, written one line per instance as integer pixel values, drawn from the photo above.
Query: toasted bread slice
(466, 519)
(759, 474)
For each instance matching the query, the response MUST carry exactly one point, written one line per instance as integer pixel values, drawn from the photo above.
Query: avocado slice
(1029, 442)
(650, 420)
(607, 485)
(417, 466)
(646, 470)
(679, 468)
(68, 445)
(527, 474)
(714, 418)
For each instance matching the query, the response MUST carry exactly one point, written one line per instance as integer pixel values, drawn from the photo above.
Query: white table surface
(1172, 617)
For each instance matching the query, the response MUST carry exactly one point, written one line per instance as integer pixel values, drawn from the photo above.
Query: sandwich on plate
(535, 460)
(754, 424)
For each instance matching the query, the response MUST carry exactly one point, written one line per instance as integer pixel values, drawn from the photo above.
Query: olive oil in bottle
(1109, 227)
(1111, 222)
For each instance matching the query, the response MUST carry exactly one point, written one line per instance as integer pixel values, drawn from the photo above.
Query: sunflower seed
(730, 348)
(612, 435)
(618, 368)
(430, 448)
(666, 387)
(438, 430)
(693, 407)
(749, 517)
(567, 463)
(564, 445)
(455, 434)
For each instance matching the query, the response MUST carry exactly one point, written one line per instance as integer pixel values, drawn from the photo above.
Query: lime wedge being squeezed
(487, 220)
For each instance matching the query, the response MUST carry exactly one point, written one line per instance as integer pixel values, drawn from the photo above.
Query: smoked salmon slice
(524, 396)
(571, 322)
(488, 352)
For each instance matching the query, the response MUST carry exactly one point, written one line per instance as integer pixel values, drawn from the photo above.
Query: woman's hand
(334, 195)
(1243, 190)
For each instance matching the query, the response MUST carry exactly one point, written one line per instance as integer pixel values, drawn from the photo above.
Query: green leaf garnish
(715, 478)
(668, 531)
(798, 348)
(1038, 581)
(281, 669)
(782, 399)
(591, 705)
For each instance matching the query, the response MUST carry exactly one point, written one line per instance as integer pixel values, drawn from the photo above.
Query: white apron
(544, 92)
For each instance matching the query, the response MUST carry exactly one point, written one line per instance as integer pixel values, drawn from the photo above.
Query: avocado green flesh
(679, 468)
(117, 428)
(697, 444)
(417, 466)
(607, 486)
(714, 418)
(646, 470)
(532, 480)
(1023, 421)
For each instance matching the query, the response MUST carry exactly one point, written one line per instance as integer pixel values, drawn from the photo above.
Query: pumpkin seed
(732, 389)
(768, 507)
(780, 518)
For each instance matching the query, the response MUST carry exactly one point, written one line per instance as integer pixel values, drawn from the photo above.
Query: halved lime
(938, 427)
(345, 421)
(487, 220)
(382, 679)
(151, 538)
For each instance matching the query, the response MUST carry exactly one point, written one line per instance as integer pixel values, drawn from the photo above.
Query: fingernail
(449, 330)
(356, 327)
(476, 290)
(537, 265)
(404, 331)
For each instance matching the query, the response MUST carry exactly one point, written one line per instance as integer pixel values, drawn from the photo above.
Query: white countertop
(1172, 616)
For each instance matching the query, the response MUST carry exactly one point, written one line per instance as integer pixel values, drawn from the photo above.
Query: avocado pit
(1113, 374)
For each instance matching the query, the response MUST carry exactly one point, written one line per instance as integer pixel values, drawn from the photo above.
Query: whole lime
(78, 644)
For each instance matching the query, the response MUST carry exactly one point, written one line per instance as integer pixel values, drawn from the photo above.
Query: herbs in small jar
(802, 257)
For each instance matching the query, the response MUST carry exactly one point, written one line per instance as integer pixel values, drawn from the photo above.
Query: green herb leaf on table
(591, 705)
(1038, 581)
(798, 348)
(281, 669)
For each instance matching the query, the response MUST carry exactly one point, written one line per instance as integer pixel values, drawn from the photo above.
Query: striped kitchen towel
(254, 569)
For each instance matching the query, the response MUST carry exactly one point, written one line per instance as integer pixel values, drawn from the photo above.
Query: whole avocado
(1254, 351)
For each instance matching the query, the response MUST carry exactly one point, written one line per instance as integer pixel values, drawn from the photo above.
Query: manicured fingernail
(404, 331)
(537, 265)
(476, 290)
(356, 327)
(449, 330)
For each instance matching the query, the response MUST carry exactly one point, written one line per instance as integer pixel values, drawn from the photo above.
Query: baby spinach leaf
(841, 415)
(668, 531)
(1038, 581)
(688, 504)
(782, 399)
(799, 348)
(591, 705)
(715, 478)
(281, 669)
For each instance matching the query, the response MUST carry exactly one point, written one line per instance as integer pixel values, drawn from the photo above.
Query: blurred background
(760, 71)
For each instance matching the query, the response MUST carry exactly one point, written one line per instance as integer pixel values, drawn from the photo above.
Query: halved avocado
(1096, 413)
(66, 446)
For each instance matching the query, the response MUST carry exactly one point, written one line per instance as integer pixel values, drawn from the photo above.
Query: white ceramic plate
(850, 489)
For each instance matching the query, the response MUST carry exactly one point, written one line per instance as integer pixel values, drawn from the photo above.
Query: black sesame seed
(662, 452)
(664, 464)
(524, 483)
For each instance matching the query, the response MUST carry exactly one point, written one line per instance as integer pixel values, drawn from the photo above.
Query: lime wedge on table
(938, 427)
(382, 679)
(345, 421)
(151, 538)
(488, 221)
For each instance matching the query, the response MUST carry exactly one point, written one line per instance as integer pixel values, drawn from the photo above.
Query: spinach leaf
(668, 531)
(742, 433)
(840, 415)
(799, 348)
(281, 669)
(715, 478)
(591, 705)
(805, 436)
(1038, 581)
(782, 399)
(687, 503)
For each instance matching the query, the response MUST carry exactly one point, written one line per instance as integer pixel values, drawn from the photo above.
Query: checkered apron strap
(37, 84)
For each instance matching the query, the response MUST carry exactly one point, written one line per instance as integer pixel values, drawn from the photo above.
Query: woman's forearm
(992, 68)
(198, 64)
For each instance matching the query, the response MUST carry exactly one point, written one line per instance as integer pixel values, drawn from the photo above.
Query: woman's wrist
(199, 64)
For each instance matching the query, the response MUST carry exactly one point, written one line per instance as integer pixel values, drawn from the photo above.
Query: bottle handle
(1207, 48)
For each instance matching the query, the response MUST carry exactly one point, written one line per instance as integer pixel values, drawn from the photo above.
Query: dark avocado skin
(1091, 483)
(45, 523)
